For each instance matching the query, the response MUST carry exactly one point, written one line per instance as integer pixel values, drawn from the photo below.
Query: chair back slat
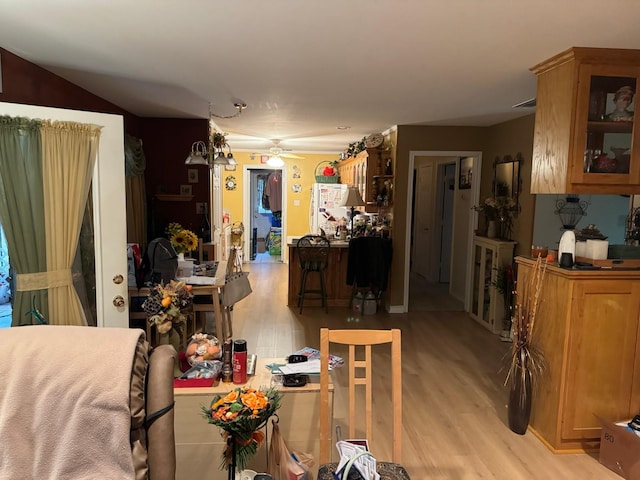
(360, 374)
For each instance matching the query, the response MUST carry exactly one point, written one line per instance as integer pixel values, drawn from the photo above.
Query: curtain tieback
(43, 280)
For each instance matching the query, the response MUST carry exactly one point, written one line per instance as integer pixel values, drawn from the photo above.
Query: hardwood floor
(454, 402)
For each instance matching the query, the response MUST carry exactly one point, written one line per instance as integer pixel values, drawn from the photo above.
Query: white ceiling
(307, 67)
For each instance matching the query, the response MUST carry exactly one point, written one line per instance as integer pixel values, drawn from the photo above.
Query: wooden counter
(587, 330)
(338, 292)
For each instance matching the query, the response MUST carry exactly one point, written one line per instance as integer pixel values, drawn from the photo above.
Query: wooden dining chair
(360, 376)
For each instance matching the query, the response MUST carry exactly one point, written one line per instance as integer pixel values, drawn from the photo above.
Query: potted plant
(526, 362)
(505, 287)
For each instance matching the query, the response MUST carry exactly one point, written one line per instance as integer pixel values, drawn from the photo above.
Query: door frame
(109, 208)
(471, 226)
(246, 205)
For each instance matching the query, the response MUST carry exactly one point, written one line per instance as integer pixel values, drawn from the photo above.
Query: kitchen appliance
(567, 245)
(324, 210)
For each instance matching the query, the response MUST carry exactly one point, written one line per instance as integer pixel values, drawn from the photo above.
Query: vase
(181, 257)
(492, 229)
(519, 406)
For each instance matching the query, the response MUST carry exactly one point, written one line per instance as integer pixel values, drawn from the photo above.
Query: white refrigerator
(324, 210)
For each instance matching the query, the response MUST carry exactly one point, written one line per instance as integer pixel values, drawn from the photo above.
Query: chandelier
(213, 152)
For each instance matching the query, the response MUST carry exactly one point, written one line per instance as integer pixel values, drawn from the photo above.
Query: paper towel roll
(597, 249)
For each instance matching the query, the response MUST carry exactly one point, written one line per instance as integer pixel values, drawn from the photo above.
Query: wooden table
(199, 445)
(213, 291)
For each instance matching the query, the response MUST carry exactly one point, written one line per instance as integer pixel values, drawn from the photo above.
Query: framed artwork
(230, 168)
(192, 175)
(464, 179)
(185, 190)
(264, 158)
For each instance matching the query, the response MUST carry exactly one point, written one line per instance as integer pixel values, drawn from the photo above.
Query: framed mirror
(506, 176)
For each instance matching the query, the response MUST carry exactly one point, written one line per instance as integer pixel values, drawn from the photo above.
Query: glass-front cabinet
(587, 134)
(487, 306)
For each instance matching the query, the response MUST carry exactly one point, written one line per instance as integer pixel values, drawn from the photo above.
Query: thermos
(227, 361)
(239, 361)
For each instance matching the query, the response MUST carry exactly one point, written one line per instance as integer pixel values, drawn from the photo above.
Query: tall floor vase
(519, 407)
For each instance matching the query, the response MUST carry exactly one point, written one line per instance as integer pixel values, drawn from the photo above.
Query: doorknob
(118, 279)
(118, 301)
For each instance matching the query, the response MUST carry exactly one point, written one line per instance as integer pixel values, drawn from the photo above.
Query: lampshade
(275, 161)
(352, 197)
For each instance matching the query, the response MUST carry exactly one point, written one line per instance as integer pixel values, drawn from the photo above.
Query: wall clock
(230, 182)
(374, 140)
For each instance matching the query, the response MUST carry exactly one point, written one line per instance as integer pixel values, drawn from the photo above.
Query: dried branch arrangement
(523, 353)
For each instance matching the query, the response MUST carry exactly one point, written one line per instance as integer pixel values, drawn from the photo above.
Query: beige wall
(499, 140)
(509, 138)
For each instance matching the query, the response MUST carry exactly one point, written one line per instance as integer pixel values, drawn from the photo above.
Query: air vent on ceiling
(526, 104)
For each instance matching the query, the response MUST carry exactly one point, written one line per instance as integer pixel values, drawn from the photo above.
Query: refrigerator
(324, 209)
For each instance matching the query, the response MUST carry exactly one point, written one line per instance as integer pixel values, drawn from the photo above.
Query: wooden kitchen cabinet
(580, 145)
(368, 171)
(587, 331)
(487, 305)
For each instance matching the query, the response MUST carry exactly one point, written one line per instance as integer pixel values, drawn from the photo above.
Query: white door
(422, 237)
(108, 206)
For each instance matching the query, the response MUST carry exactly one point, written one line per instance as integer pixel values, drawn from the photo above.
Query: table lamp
(353, 199)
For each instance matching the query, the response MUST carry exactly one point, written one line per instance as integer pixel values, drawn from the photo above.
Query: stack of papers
(199, 280)
(313, 354)
(311, 367)
(365, 463)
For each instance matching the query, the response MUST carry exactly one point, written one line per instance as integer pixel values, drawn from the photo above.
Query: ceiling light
(275, 161)
(211, 153)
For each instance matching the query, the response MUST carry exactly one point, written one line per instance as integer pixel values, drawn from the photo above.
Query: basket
(322, 178)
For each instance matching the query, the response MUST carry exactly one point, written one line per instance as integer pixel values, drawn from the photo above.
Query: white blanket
(64, 402)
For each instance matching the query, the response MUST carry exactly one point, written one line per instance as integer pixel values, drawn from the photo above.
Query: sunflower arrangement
(165, 305)
(241, 414)
(183, 240)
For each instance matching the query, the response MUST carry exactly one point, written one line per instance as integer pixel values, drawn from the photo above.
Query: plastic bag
(283, 465)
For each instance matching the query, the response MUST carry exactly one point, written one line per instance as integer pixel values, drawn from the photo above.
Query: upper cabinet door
(586, 133)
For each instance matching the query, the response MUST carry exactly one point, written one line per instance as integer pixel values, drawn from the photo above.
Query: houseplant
(183, 240)
(526, 362)
(499, 213)
(241, 414)
(166, 307)
(505, 287)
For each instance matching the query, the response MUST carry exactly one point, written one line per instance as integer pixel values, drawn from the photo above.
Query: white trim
(246, 205)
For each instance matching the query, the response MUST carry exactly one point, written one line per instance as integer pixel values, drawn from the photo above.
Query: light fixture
(353, 199)
(275, 161)
(212, 153)
(570, 210)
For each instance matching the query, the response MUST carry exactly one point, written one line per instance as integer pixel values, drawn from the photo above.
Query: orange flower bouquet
(241, 414)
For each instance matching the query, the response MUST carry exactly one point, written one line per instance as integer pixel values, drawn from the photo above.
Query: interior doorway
(264, 213)
(441, 229)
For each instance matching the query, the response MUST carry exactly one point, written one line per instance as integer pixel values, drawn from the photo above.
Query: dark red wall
(166, 142)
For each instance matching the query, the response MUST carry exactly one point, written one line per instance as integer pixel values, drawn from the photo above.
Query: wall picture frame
(192, 175)
(186, 190)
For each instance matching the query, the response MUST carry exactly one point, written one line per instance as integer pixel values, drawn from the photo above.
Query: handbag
(236, 287)
(282, 464)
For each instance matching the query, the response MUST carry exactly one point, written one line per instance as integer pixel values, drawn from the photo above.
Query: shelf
(163, 197)
(610, 127)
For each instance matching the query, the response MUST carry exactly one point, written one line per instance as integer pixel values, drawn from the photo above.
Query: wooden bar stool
(313, 254)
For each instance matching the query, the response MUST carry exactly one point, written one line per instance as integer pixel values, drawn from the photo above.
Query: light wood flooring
(454, 402)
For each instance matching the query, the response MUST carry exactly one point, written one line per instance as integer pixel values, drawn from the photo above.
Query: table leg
(220, 333)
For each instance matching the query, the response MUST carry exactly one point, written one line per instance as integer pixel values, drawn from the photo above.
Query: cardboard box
(620, 449)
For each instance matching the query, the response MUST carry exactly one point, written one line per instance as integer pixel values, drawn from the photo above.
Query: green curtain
(22, 209)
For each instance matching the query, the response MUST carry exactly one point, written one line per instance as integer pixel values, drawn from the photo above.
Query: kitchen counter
(586, 327)
(338, 292)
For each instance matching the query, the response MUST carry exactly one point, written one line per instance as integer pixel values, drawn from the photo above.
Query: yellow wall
(297, 220)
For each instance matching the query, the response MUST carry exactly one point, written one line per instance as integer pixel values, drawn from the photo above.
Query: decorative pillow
(5, 293)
